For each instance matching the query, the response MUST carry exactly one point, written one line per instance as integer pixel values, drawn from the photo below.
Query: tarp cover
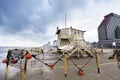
(16, 54)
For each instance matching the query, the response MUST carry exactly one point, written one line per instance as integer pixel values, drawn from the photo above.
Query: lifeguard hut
(72, 40)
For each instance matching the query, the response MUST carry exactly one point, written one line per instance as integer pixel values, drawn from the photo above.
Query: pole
(117, 57)
(102, 48)
(65, 63)
(42, 57)
(65, 20)
(97, 62)
(20, 67)
(78, 53)
(25, 69)
(6, 71)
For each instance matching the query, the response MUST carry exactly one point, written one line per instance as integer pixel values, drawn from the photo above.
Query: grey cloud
(17, 15)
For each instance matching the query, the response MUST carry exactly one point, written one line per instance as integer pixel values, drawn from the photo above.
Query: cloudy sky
(34, 22)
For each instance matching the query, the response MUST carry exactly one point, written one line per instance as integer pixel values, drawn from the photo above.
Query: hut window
(75, 32)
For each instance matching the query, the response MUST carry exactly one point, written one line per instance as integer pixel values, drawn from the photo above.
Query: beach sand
(38, 71)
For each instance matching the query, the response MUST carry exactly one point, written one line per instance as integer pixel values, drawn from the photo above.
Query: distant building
(109, 30)
(66, 34)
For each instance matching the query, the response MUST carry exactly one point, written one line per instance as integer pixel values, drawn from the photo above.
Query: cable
(58, 60)
(86, 62)
(34, 56)
(80, 68)
(104, 56)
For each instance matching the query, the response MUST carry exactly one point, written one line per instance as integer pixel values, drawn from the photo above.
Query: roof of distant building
(107, 19)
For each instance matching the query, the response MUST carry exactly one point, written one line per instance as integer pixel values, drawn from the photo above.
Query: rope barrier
(104, 57)
(80, 68)
(34, 56)
(51, 58)
(58, 59)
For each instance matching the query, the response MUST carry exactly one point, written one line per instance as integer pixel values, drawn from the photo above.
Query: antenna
(65, 20)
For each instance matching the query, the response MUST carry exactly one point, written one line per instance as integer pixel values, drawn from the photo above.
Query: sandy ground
(38, 71)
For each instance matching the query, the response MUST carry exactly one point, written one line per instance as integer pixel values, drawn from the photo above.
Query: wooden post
(118, 64)
(78, 53)
(42, 57)
(117, 57)
(25, 69)
(6, 71)
(78, 50)
(97, 62)
(65, 63)
(20, 67)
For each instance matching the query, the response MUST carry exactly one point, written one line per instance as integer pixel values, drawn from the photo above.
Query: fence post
(117, 57)
(6, 71)
(25, 69)
(97, 61)
(65, 63)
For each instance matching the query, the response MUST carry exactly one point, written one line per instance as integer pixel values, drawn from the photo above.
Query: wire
(80, 68)
(34, 56)
(86, 62)
(104, 56)
(58, 60)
